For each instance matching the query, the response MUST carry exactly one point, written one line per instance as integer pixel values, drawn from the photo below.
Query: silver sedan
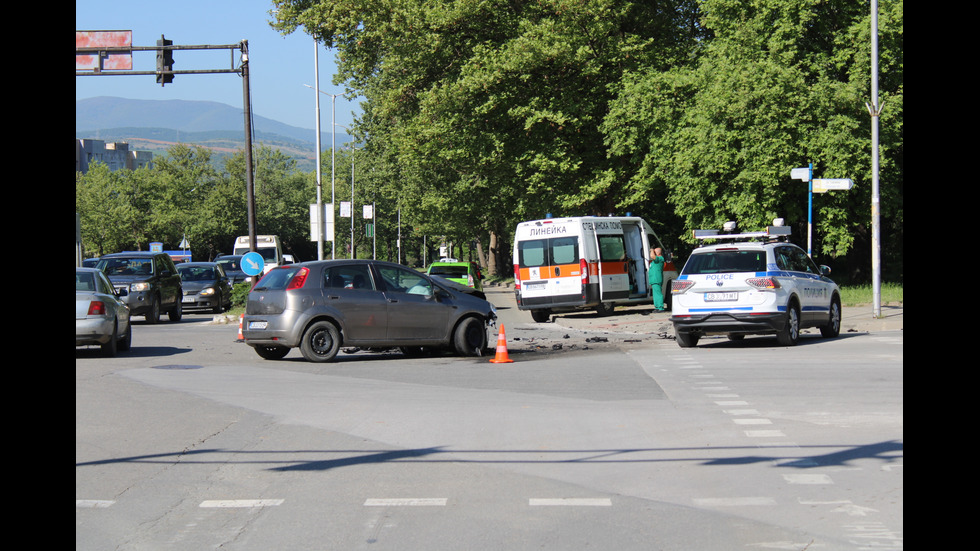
(101, 317)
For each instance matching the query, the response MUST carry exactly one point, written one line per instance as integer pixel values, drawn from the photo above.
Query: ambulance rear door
(549, 265)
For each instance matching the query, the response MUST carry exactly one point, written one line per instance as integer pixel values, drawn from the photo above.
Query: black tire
(789, 335)
(321, 342)
(272, 352)
(604, 309)
(153, 316)
(470, 338)
(126, 342)
(541, 316)
(687, 340)
(177, 311)
(218, 306)
(110, 347)
(832, 329)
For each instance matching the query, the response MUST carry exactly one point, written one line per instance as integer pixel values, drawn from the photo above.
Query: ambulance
(585, 263)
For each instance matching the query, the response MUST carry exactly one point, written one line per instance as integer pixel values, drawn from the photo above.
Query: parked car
(205, 286)
(322, 305)
(151, 281)
(464, 273)
(232, 265)
(101, 316)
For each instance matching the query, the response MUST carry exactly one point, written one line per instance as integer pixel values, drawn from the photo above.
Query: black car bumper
(729, 323)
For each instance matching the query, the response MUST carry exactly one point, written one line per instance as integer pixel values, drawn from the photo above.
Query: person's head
(657, 251)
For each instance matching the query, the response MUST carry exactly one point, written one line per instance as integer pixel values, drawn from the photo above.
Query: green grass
(854, 295)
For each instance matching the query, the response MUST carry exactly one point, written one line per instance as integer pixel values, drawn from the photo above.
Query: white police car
(753, 283)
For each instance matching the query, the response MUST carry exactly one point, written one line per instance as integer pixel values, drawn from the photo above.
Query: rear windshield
(535, 253)
(726, 261)
(277, 279)
(449, 271)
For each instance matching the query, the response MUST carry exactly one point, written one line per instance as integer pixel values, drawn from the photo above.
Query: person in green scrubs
(656, 278)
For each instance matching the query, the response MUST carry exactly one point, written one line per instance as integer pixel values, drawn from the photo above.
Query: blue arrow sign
(253, 263)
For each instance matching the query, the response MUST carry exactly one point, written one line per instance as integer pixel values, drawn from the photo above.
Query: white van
(266, 245)
(584, 263)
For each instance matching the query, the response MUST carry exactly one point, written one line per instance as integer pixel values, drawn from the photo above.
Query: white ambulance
(584, 263)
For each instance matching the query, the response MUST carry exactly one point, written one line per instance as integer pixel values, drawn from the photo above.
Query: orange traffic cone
(241, 338)
(501, 357)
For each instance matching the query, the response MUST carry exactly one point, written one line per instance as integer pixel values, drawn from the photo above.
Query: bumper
(194, 302)
(138, 302)
(729, 322)
(92, 331)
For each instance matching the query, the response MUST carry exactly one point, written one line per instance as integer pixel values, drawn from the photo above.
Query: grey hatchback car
(323, 305)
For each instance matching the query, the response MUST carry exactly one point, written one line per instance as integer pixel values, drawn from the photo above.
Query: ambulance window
(564, 250)
(611, 247)
(532, 253)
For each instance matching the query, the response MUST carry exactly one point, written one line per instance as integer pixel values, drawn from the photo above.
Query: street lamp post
(319, 201)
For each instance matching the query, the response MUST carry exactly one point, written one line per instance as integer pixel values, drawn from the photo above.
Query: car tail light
(96, 308)
(517, 277)
(583, 267)
(299, 279)
(679, 286)
(763, 283)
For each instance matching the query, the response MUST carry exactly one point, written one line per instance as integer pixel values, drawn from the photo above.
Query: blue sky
(281, 67)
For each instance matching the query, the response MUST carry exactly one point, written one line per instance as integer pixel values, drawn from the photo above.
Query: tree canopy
(483, 113)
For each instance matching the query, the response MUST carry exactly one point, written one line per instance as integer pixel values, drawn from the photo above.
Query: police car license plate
(258, 324)
(720, 297)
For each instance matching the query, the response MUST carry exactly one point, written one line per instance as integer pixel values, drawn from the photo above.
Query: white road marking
(93, 503)
(407, 502)
(240, 503)
(571, 502)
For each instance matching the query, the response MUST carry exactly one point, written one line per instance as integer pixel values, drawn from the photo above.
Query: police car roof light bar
(770, 231)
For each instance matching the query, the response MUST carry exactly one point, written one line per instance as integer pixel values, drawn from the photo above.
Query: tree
(492, 109)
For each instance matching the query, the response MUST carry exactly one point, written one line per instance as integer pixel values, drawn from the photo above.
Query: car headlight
(142, 286)
(207, 292)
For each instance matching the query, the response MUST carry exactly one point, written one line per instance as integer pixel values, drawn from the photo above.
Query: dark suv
(151, 281)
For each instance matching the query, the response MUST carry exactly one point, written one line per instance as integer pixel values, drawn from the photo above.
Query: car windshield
(126, 266)
(196, 273)
(229, 265)
(726, 261)
(449, 271)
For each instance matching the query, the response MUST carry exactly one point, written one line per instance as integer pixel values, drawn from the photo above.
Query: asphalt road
(600, 433)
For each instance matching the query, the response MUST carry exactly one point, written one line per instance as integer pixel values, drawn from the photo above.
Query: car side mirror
(824, 270)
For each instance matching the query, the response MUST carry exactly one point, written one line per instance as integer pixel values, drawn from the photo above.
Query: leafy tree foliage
(687, 112)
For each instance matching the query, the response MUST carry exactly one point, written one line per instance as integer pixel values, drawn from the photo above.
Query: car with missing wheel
(321, 306)
(753, 283)
(151, 281)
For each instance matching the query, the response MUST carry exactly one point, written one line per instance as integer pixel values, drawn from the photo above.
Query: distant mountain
(155, 125)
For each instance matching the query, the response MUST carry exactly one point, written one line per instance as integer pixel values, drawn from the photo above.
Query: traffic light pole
(165, 75)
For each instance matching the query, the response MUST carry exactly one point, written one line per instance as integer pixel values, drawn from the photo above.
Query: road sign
(821, 185)
(253, 263)
(800, 174)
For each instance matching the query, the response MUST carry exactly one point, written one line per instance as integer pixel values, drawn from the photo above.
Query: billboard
(94, 61)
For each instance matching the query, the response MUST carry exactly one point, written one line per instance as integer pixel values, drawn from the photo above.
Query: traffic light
(165, 61)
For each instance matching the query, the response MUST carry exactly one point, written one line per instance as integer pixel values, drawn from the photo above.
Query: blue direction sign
(253, 263)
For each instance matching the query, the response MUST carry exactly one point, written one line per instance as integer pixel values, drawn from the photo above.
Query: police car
(753, 283)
